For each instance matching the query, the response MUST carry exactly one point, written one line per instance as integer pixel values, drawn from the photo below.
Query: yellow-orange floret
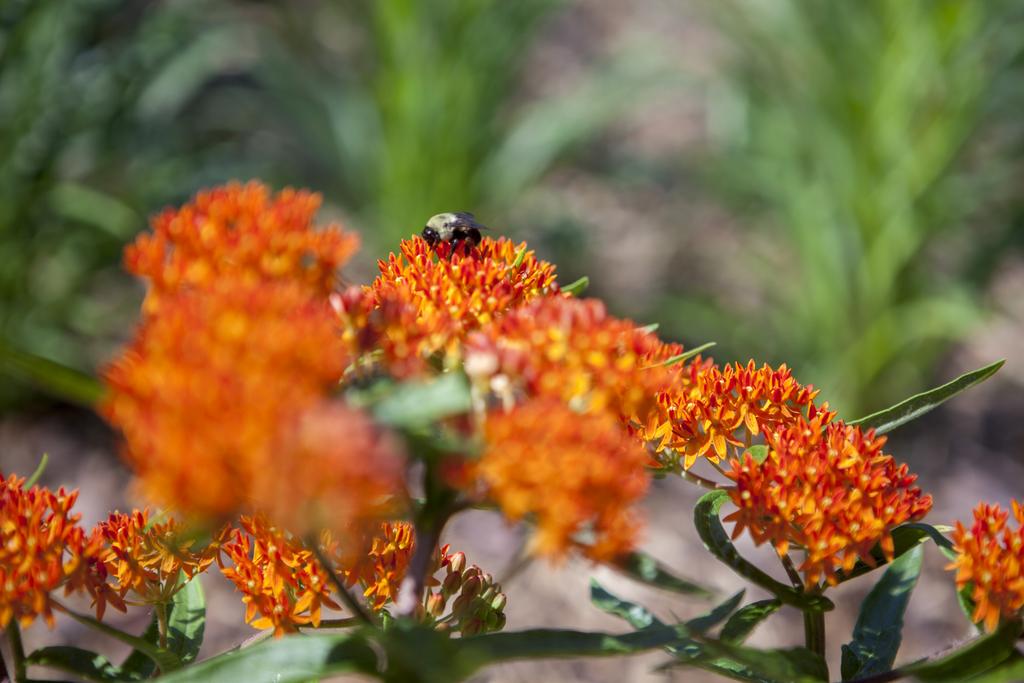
(42, 548)
(576, 475)
(205, 389)
(828, 490)
(426, 300)
(244, 233)
(708, 408)
(571, 350)
(989, 557)
(147, 557)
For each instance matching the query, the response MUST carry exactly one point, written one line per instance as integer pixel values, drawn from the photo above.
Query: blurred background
(832, 185)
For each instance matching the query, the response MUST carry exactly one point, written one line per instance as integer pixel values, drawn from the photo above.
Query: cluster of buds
(478, 606)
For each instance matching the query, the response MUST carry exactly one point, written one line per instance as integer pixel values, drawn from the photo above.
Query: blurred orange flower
(577, 475)
(204, 390)
(146, 557)
(828, 489)
(379, 570)
(425, 301)
(244, 233)
(708, 408)
(990, 556)
(42, 548)
(574, 351)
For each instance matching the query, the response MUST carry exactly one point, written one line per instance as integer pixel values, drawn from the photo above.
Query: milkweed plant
(309, 439)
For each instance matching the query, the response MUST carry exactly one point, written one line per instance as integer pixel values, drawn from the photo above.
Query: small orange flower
(828, 489)
(571, 350)
(42, 548)
(575, 474)
(147, 557)
(990, 556)
(242, 232)
(708, 408)
(425, 301)
(204, 390)
(282, 584)
(381, 569)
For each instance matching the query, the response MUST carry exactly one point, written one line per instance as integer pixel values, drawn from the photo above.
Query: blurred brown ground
(969, 450)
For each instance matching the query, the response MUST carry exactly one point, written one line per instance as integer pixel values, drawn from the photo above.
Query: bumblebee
(456, 228)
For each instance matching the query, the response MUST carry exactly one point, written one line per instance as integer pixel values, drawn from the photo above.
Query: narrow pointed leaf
(165, 659)
(138, 665)
(651, 329)
(916, 406)
(879, 629)
(712, 533)
(646, 569)
(979, 656)
(746, 619)
(716, 616)
(687, 355)
(50, 376)
(89, 665)
(40, 468)
(1010, 671)
(577, 287)
(186, 621)
(905, 538)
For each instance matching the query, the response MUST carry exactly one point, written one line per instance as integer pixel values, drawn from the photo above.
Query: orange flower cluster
(574, 351)
(282, 584)
(828, 489)
(148, 557)
(203, 392)
(425, 301)
(576, 474)
(42, 548)
(381, 568)
(239, 232)
(708, 408)
(990, 556)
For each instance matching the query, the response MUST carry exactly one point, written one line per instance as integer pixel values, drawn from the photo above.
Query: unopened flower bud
(499, 602)
(457, 562)
(435, 604)
(472, 627)
(472, 587)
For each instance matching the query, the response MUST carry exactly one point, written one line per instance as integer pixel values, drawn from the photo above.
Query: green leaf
(717, 615)
(89, 665)
(687, 355)
(790, 665)
(759, 452)
(165, 659)
(59, 380)
(711, 532)
(916, 406)
(636, 616)
(879, 629)
(905, 537)
(416, 404)
(650, 329)
(645, 569)
(293, 658)
(977, 657)
(1010, 671)
(186, 620)
(577, 287)
(745, 620)
(137, 665)
(40, 468)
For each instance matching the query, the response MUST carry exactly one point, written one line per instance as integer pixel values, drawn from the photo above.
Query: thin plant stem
(702, 481)
(338, 623)
(354, 605)
(17, 651)
(4, 676)
(410, 593)
(161, 620)
(791, 572)
(814, 631)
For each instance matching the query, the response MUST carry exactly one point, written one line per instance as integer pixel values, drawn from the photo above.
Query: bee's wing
(470, 220)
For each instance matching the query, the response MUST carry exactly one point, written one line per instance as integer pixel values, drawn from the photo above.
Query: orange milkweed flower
(42, 548)
(574, 351)
(427, 299)
(204, 390)
(380, 568)
(828, 489)
(989, 556)
(282, 584)
(708, 408)
(575, 474)
(242, 232)
(146, 557)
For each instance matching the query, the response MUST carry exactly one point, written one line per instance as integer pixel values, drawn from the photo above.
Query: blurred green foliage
(844, 127)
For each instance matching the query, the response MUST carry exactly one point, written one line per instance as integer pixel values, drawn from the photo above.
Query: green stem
(161, 620)
(702, 481)
(17, 651)
(353, 605)
(814, 631)
(157, 654)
